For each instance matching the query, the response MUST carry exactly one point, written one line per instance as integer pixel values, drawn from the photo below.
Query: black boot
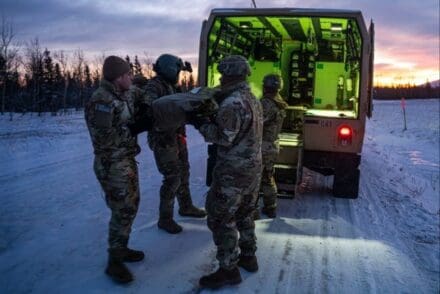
(169, 225)
(192, 211)
(116, 269)
(269, 212)
(131, 255)
(221, 277)
(249, 263)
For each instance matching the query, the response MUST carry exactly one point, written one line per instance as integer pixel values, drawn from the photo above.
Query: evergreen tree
(87, 77)
(127, 58)
(2, 68)
(14, 87)
(88, 83)
(58, 78)
(78, 79)
(34, 69)
(137, 69)
(58, 87)
(71, 87)
(3, 80)
(428, 89)
(48, 83)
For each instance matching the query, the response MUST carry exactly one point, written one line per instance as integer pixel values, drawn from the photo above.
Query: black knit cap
(114, 67)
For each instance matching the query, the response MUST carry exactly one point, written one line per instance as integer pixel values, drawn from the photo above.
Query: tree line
(407, 92)
(33, 79)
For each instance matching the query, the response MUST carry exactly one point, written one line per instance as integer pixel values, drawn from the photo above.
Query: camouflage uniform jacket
(273, 114)
(107, 115)
(237, 131)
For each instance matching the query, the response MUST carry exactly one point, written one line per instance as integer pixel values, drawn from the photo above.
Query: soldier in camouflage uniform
(236, 132)
(109, 116)
(274, 113)
(170, 149)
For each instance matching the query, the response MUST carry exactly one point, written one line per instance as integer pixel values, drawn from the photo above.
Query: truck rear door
(371, 71)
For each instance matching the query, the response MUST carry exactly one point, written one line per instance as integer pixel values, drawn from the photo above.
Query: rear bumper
(316, 160)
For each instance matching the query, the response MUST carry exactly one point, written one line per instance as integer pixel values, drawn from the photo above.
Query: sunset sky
(407, 31)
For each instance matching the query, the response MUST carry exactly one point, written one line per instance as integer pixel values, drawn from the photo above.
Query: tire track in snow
(327, 260)
(358, 276)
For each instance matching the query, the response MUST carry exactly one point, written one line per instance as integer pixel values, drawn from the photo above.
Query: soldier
(236, 132)
(274, 113)
(109, 116)
(170, 150)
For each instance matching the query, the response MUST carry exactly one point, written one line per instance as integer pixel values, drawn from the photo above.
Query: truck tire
(346, 183)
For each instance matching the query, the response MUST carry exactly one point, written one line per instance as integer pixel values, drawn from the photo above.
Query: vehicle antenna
(253, 3)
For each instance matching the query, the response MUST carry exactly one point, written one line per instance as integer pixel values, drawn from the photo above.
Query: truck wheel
(346, 183)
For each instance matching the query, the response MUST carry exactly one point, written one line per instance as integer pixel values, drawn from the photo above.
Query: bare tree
(34, 69)
(78, 72)
(97, 63)
(99, 60)
(147, 66)
(96, 66)
(8, 54)
(63, 59)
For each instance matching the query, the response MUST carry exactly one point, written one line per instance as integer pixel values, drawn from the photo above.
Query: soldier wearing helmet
(170, 150)
(273, 116)
(236, 133)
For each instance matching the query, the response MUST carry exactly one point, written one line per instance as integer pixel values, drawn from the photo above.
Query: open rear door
(203, 51)
(371, 71)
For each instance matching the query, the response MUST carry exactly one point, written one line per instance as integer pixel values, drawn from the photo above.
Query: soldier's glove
(207, 108)
(198, 121)
(187, 67)
(141, 124)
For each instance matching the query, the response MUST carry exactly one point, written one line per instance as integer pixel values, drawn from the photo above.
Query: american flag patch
(103, 108)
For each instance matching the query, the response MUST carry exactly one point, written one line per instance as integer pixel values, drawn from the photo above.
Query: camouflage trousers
(172, 163)
(268, 184)
(230, 204)
(120, 182)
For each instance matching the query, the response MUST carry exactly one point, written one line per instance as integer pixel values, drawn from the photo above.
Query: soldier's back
(246, 147)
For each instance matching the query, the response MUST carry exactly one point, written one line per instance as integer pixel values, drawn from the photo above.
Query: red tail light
(345, 134)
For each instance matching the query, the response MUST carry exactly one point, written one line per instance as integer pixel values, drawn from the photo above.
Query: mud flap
(346, 182)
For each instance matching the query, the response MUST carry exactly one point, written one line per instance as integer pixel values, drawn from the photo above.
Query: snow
(53, 219)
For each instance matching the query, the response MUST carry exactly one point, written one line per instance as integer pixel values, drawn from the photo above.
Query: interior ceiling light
(336, 27)
(245, 24)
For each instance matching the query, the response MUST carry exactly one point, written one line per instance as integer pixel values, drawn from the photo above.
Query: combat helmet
(168, 66)
(273, 82)
(234, 66)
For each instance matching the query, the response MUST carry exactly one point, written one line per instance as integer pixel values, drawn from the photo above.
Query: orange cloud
(402, 58)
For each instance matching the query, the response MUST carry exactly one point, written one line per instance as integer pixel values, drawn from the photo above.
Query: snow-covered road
(53, 220)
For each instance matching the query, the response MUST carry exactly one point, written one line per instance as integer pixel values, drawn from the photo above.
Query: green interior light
(318, 58)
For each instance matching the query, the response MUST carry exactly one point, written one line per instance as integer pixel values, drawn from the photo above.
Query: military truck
(325, 58)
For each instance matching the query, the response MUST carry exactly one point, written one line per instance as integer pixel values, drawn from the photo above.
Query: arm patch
(103, 115)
